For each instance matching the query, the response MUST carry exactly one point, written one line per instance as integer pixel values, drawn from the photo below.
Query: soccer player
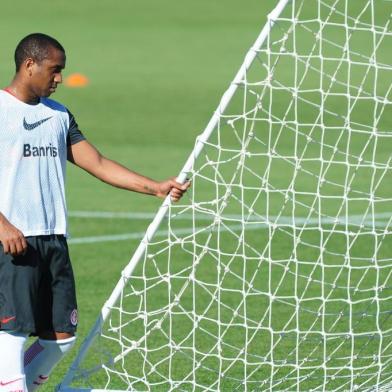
(37, 136)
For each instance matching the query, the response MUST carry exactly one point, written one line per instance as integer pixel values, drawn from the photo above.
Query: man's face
(46, 75)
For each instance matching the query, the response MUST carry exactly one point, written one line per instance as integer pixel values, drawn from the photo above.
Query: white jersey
(33, 156)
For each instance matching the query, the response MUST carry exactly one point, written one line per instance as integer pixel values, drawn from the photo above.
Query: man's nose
(58, 78)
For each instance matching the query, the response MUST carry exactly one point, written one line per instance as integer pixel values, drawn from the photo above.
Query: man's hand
(172, 187)
(12, 239)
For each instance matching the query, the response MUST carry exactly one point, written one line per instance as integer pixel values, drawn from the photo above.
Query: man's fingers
(176, 192)
(21, 246)
(15, 247)
(6, 247)
(180, 187)
(174, 188)
(19, 249)
(184, 186)
(12, 248)
(24, 244)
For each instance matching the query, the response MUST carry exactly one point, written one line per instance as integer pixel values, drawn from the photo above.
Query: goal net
(274, 273)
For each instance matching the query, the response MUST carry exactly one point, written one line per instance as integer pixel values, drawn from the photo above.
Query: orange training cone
(76, 80)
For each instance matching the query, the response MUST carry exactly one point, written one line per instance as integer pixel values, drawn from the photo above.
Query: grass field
(157, 72)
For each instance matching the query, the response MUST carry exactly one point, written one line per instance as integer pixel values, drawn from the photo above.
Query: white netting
(275, 272)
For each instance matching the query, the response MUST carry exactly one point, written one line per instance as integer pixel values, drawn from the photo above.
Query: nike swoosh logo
(9, 382)
(41, 380)
(31, 126)
(6, 320)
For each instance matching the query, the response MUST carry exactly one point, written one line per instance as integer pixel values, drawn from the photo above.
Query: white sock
(41, 358)
(12, 377)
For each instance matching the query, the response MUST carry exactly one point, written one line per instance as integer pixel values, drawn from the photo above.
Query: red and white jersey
(33, 156)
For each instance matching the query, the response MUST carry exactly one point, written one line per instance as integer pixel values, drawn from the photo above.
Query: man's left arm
(87, 157)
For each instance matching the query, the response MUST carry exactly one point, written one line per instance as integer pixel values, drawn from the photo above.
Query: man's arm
(11, 238)
(86, 156)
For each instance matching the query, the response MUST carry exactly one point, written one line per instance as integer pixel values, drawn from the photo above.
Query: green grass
(157, 71)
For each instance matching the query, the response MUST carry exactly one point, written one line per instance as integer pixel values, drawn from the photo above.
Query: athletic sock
(12, 377)
(41, 358)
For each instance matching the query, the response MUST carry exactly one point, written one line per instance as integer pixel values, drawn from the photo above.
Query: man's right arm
(12, 239)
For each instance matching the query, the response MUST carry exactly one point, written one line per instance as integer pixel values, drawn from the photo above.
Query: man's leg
(19, 282)
(12, 377)
(56, 312)
(43, 355)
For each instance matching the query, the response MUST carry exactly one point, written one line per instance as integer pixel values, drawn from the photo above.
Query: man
(37, 136)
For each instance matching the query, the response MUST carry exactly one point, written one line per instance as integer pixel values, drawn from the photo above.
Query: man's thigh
(19, 287)
(37, 290)
(57, 310)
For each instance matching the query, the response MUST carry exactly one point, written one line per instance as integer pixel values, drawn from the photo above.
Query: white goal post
(275, 273)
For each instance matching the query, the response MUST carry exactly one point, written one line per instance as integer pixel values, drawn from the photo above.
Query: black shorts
(37, 290)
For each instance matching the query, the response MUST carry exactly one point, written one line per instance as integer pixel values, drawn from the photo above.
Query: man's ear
(28, 64)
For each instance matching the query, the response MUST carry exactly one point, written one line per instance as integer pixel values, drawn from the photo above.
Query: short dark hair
(35, 46)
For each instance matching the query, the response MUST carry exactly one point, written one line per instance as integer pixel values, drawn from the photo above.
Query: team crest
(74, 317)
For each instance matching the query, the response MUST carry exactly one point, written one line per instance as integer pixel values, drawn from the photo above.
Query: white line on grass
(283, 220)
(148, 215)
(111, 215)
(140, 235)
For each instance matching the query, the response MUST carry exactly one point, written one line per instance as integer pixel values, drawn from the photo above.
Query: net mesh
(274, 272)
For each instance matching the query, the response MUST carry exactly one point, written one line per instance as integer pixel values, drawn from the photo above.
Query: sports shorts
(37, 289)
